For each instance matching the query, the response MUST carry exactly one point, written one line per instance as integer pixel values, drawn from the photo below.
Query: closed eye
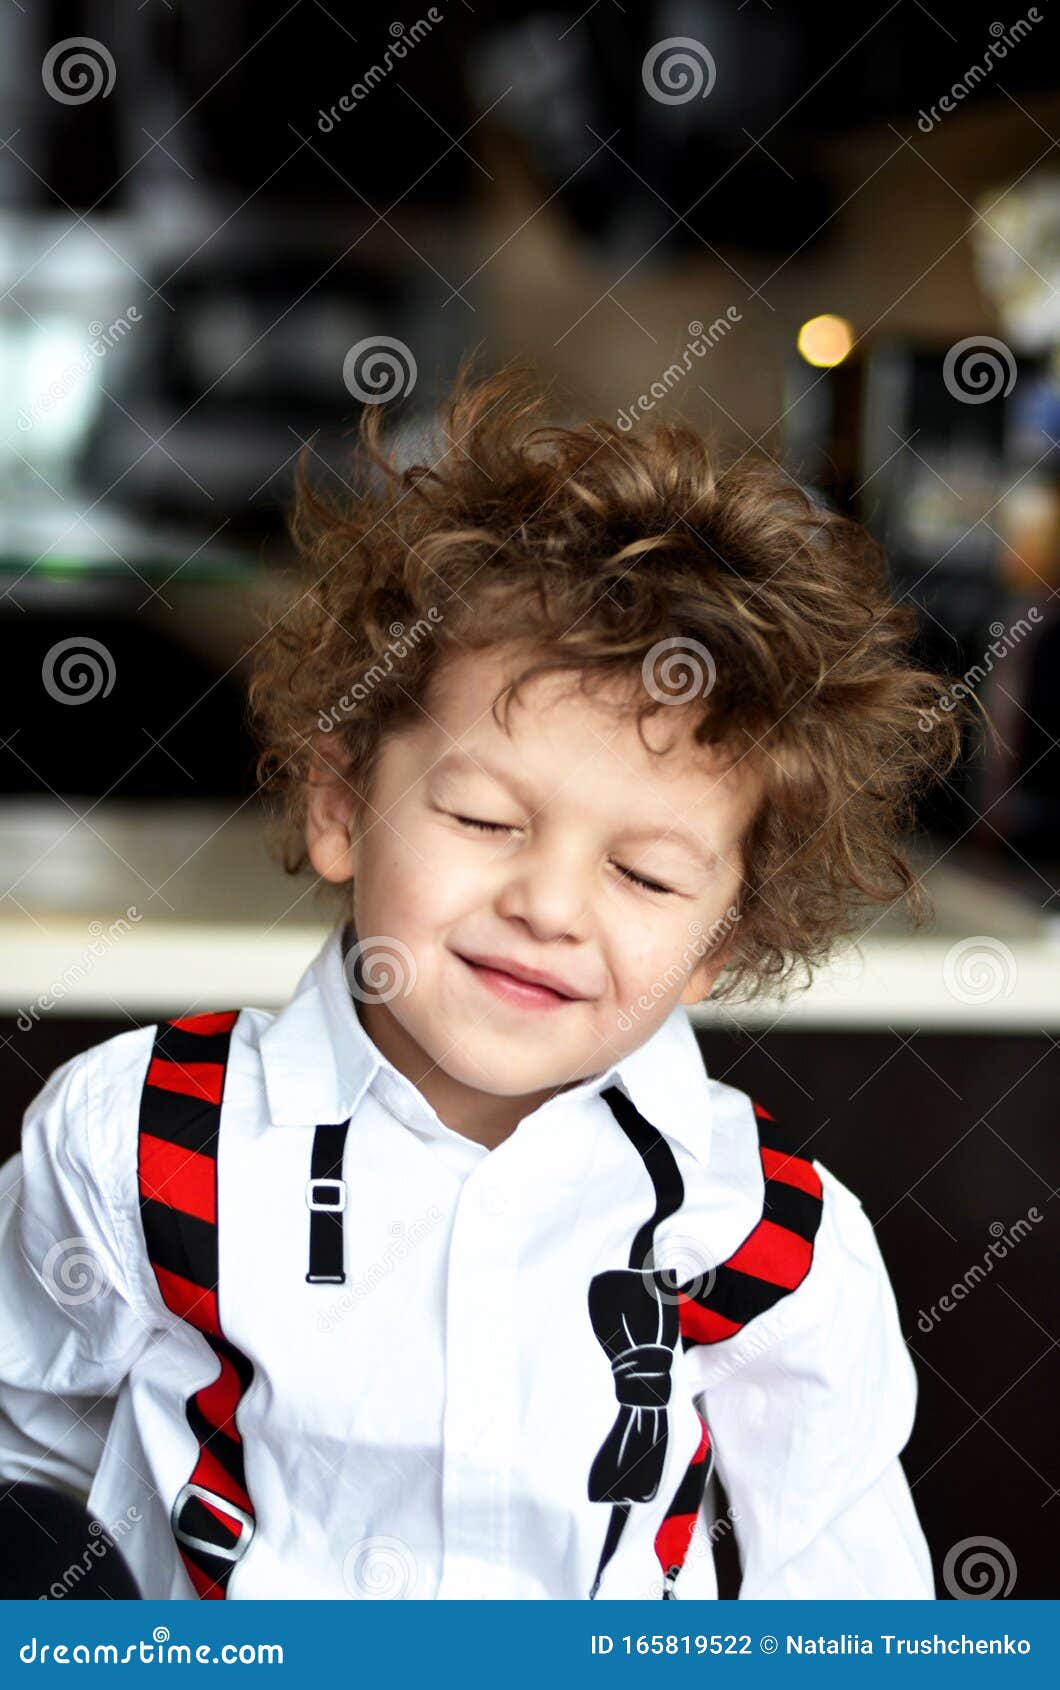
(627, 873)
(489, 827)
(649, 885)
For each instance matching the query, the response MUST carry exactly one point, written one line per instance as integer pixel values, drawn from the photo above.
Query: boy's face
(579, 806)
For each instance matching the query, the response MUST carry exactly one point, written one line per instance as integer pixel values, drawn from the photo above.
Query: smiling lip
(529, 986)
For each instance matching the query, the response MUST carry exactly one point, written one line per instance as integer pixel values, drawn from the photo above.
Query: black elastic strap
(327, 1187)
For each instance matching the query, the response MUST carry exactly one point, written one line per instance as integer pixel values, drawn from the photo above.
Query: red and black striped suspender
(180, 1115)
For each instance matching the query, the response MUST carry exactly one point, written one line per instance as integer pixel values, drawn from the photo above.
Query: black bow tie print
(639, 1331)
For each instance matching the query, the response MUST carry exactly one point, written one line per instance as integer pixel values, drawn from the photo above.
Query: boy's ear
(332, 814)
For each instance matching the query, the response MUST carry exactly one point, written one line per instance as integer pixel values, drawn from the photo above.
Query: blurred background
(833, 237)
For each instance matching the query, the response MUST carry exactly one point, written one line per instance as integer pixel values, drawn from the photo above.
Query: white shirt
(427, 1429)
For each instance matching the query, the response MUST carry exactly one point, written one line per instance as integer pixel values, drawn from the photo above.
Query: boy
(457, 1277)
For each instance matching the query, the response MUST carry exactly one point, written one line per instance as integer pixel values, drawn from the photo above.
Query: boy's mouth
(527, 987)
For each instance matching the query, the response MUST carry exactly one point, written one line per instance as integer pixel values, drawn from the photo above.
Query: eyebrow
(460, 762)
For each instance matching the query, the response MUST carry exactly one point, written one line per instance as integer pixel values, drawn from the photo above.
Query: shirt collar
(319, 1062)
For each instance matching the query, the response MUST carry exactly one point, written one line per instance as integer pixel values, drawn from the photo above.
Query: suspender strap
(212, 1516)
(675, 1534)
(325, 1195)
(639, 1331)
(777, 1253)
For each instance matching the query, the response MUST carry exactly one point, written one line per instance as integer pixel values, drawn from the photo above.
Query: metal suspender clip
(242, 1524)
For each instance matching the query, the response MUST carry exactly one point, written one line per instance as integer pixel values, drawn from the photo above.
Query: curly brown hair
(585, 547)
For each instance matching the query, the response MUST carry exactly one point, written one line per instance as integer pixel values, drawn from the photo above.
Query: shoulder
(81, 1112)
(80, 1142)
(806, 1286)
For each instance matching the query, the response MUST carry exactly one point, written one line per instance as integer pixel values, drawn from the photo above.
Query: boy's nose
(552, 894)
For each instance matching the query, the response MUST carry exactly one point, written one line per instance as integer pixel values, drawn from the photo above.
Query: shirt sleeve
(809, 1407)
(70, 1328)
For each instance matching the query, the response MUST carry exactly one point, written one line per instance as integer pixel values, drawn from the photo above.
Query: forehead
(559, 737)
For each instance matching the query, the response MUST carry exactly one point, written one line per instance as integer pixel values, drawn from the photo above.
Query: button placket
(481, 1414)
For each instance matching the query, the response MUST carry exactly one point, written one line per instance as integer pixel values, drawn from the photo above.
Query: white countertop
(134, 910)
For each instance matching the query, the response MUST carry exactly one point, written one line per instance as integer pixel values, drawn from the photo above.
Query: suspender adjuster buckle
(241, 1523)
(329, 1194)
